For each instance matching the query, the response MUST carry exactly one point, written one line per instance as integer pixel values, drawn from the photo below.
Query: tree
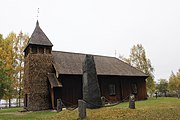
(162, 87)
(19, 45)
(138, 59)
(2, 73)
(174, 82)
(11, 52)
(3, 80)
(6, 55)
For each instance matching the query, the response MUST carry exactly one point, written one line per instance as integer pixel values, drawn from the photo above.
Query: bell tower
(38, 63)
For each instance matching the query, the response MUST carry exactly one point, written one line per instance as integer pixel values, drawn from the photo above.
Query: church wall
(72, 88)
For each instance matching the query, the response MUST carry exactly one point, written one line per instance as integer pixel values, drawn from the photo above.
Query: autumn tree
(7, 56)
(11, 52)
(19, 45)
(3, 77)
(138, 59)
(174, 82)
(4, 84)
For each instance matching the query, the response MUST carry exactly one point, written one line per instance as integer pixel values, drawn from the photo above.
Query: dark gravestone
(132, 101)
(91, 91)
(82, 109)
(59, 105)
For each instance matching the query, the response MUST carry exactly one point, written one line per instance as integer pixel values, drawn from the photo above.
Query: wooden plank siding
(142, 94)
(72, 88)
(104, 82)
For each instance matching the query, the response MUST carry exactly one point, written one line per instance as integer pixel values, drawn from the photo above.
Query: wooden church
(50, 75)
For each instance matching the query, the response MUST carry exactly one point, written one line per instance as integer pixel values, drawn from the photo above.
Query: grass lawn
(161, 109)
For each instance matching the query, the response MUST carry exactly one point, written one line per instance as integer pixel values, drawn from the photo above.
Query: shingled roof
(53, 80)
(38, 37)
(71, 63)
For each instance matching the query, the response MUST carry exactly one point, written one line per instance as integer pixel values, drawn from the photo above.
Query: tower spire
(37, 23)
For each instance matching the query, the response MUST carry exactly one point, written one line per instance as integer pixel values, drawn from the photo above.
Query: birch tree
(138, 59)
(18, 48)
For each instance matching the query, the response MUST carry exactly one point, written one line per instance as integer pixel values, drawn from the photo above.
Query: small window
(112, 89)
(34, 50)
(134, 88)
(27, 51)
(41, 50)
(48, 50)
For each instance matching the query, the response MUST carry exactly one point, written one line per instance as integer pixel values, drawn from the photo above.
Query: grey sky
(102, 26)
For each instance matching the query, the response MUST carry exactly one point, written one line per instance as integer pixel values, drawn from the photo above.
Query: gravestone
(91, 90)
(82, 109)
(59, 105)
(103, 100)
(132, 101)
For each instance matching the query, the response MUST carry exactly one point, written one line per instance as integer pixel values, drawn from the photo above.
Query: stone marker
(82, 109)
(91, 91)
(103, 100)
(132, 101)
(59, 105)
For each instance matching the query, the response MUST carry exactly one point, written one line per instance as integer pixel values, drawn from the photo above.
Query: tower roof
(38, 37)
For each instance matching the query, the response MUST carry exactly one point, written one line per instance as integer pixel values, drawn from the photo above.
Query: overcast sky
(102, 26)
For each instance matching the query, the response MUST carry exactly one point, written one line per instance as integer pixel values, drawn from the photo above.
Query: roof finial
(37, 23)
(37, 13)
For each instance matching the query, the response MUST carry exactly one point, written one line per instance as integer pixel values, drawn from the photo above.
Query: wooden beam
(52, 98)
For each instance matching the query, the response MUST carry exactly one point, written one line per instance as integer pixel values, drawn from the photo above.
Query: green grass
(13, 114)
(152, 109)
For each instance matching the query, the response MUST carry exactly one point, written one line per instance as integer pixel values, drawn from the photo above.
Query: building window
(41, 50)
(112, 89)
(134, 88)
(27, 51)
(48, 50)
(34, 50)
